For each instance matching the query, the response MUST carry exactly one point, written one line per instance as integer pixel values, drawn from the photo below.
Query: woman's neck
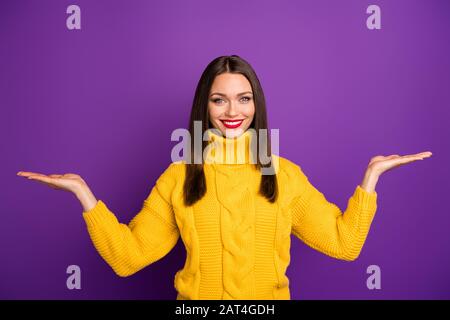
(228, 150)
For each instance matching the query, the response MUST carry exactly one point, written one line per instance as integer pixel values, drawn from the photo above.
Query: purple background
(102, 102)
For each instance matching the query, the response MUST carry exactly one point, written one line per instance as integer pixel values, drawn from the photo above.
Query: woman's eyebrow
(224, 95)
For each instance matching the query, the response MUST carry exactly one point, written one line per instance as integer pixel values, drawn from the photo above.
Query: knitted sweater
(237, 242)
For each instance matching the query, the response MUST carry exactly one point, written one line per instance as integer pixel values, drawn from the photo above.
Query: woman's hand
(67, 182)
(380, 164)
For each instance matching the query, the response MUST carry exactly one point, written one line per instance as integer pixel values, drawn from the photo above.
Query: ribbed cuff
(98, 215)
(365, 200)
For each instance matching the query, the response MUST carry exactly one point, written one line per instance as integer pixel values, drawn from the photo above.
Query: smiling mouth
(231, 124)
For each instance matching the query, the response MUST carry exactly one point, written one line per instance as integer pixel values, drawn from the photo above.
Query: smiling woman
(234, 221)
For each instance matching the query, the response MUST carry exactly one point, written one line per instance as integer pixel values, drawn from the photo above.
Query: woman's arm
(149, 236)
(324, 227)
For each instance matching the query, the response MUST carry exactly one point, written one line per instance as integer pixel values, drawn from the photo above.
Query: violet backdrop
(102, 102)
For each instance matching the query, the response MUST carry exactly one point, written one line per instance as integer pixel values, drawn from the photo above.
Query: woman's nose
(231, 110)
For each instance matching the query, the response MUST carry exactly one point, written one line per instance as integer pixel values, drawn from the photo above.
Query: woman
(234, 221)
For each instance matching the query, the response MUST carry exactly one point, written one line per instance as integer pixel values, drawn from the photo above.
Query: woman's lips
(232, 124)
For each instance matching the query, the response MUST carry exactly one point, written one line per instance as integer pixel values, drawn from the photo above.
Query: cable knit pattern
(237, 243)
(187, 280)
(238, 236)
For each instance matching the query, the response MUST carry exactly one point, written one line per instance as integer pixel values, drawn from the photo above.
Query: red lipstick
(232, 124)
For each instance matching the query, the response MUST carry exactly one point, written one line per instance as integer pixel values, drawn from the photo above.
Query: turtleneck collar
(224, 150)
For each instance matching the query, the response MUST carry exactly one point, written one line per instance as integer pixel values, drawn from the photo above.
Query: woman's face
(231, 106)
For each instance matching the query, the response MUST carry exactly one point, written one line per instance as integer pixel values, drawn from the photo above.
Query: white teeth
(232, 122)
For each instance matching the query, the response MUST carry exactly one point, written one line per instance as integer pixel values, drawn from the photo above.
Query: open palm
(380, 164)
(68, 182)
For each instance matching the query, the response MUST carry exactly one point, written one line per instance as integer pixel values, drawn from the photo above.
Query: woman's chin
(232, 133)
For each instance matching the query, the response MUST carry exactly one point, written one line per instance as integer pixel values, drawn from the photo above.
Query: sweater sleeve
(149, 236)
(324, 227)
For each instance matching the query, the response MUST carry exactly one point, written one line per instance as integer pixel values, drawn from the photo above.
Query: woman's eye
(216, 100)
(248, 99)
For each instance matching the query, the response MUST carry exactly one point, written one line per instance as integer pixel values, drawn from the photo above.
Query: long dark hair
(195, 183)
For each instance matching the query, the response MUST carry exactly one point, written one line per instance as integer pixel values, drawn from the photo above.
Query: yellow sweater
(237, 243)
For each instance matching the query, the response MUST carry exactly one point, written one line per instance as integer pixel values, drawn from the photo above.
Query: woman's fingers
(415, 156)
(398, 161)
(425, 154)
(42, 178)
(26, 173)
(420, 154)
(405, 159)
